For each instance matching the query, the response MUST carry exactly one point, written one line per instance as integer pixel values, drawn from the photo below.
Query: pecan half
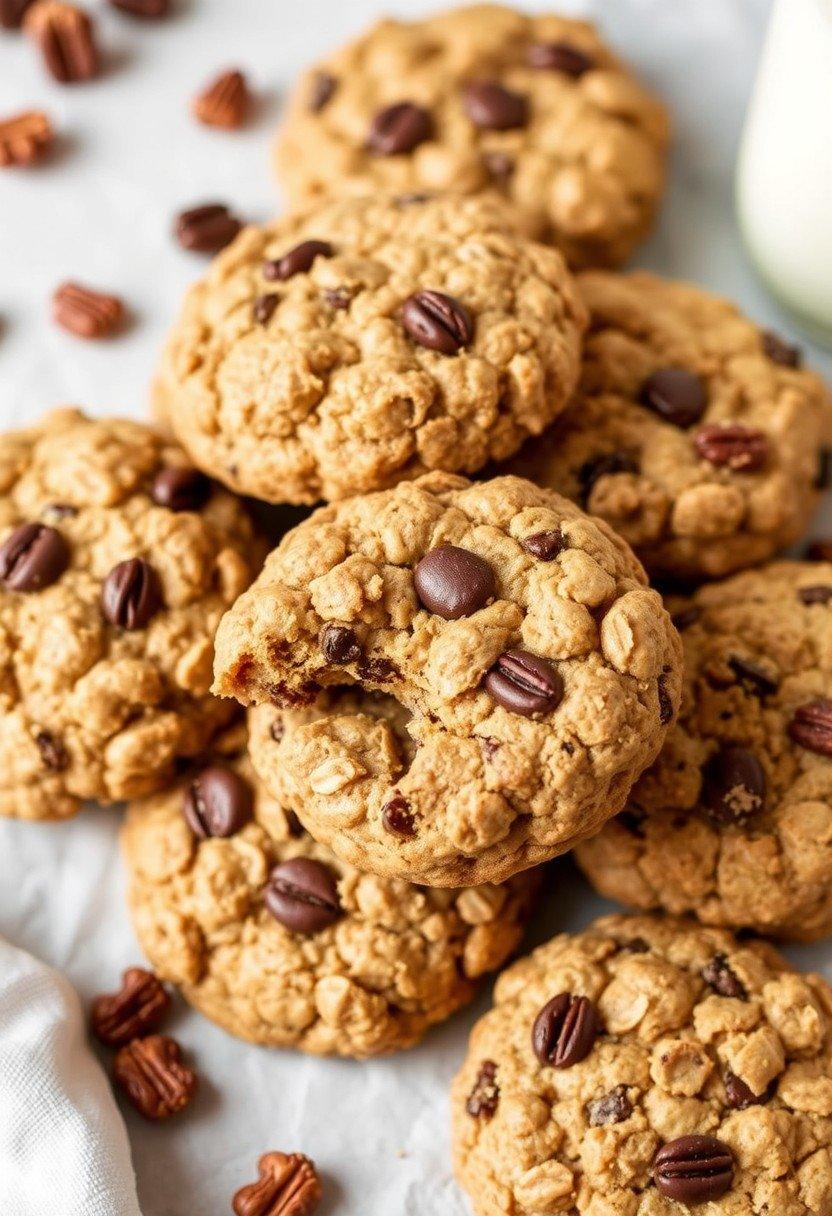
(66, 39)
(25, 138)
(288, 1186)
(735, 447)
(86, 313)
(224, 102)
(152, 1075)
(811, 726)
(140, 1005)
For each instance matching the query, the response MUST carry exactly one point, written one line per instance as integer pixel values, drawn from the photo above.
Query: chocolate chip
(636, 945)
(740, 448)
(665, 703)
(494, 108)
(397, 817)
(33, 557)
(686, 618)
(718, 975)
(453, 582)
(780, 351)
(339, 298)
(811, 726)
(437, 321)
(676, 395)
(485, 1094)
(322, 91)
(823, 477)
(297, 260)
(339, 644)
(565, 1030)
(605, 465)
(490, 747)
(52, 751)
(819, 551)
(524, 683)
(278, 728)
(399, 128)
(378, 671)
(752, 677)
(180, 488)
(694, 1169)
(614, 1107)
(303, 895)
(739, 1096)
(545, 546)
(815, 595)
(131, 594)
(733, 785)
(498, 165)
(218, 802)
(559, 57)
(263, 308)
(206, 229)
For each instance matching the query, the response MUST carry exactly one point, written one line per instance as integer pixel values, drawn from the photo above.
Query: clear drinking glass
(784, 173)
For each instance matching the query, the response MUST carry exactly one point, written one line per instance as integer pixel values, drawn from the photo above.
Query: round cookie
(278, 941)
(648, 1067)
(484, 97)
(693, 433)
(532, 676)
(117, 560)
(734, 821)
(345, 349)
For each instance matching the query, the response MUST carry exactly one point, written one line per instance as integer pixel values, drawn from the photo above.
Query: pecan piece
(152, 1075)
(811, 726)
(740, 448)
(132, 1012)
(25, 138)
(224, 102)
(288, 1186)
(12, 12)
(86, 313)
(65, 36)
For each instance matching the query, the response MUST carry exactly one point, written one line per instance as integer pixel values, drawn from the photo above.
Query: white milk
(784, 176)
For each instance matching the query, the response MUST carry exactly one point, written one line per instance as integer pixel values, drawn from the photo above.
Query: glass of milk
(784, 174)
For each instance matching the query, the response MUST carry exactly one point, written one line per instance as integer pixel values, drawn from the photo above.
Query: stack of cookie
(450, 682)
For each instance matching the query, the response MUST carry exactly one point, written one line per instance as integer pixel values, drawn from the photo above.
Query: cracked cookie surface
(487, 98)
(734, 821)
(705, 472)
(347, 348)
(525, 701)
(117, 560)
(394, 961)
(684, 1037)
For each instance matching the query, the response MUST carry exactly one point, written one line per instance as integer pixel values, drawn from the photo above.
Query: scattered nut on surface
(137, 1008)
(224, 102)
(66, 37)
(25, 138)
(86, 313)
(152, 1075)
(288, 1186)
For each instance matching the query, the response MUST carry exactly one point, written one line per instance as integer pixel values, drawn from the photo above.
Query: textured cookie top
(696, 435)
(280, 942)
(734, 821)
(672, 1069)
(538, 671)
(536, 106)
(345, 349)
(117, 561)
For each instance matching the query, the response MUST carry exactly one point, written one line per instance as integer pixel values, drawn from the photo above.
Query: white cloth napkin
(63, 1144)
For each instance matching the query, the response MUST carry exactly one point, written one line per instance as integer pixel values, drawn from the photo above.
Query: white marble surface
(101, 210)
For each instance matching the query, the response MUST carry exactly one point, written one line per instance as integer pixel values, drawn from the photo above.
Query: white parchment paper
(130, 157)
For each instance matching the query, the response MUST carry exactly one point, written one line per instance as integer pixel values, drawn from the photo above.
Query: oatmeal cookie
(533, 676)
(734, 821)
(695, 434)
(649, 1067)
(485, 97)
(117, 560)
(281, 943)
(345, 349)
